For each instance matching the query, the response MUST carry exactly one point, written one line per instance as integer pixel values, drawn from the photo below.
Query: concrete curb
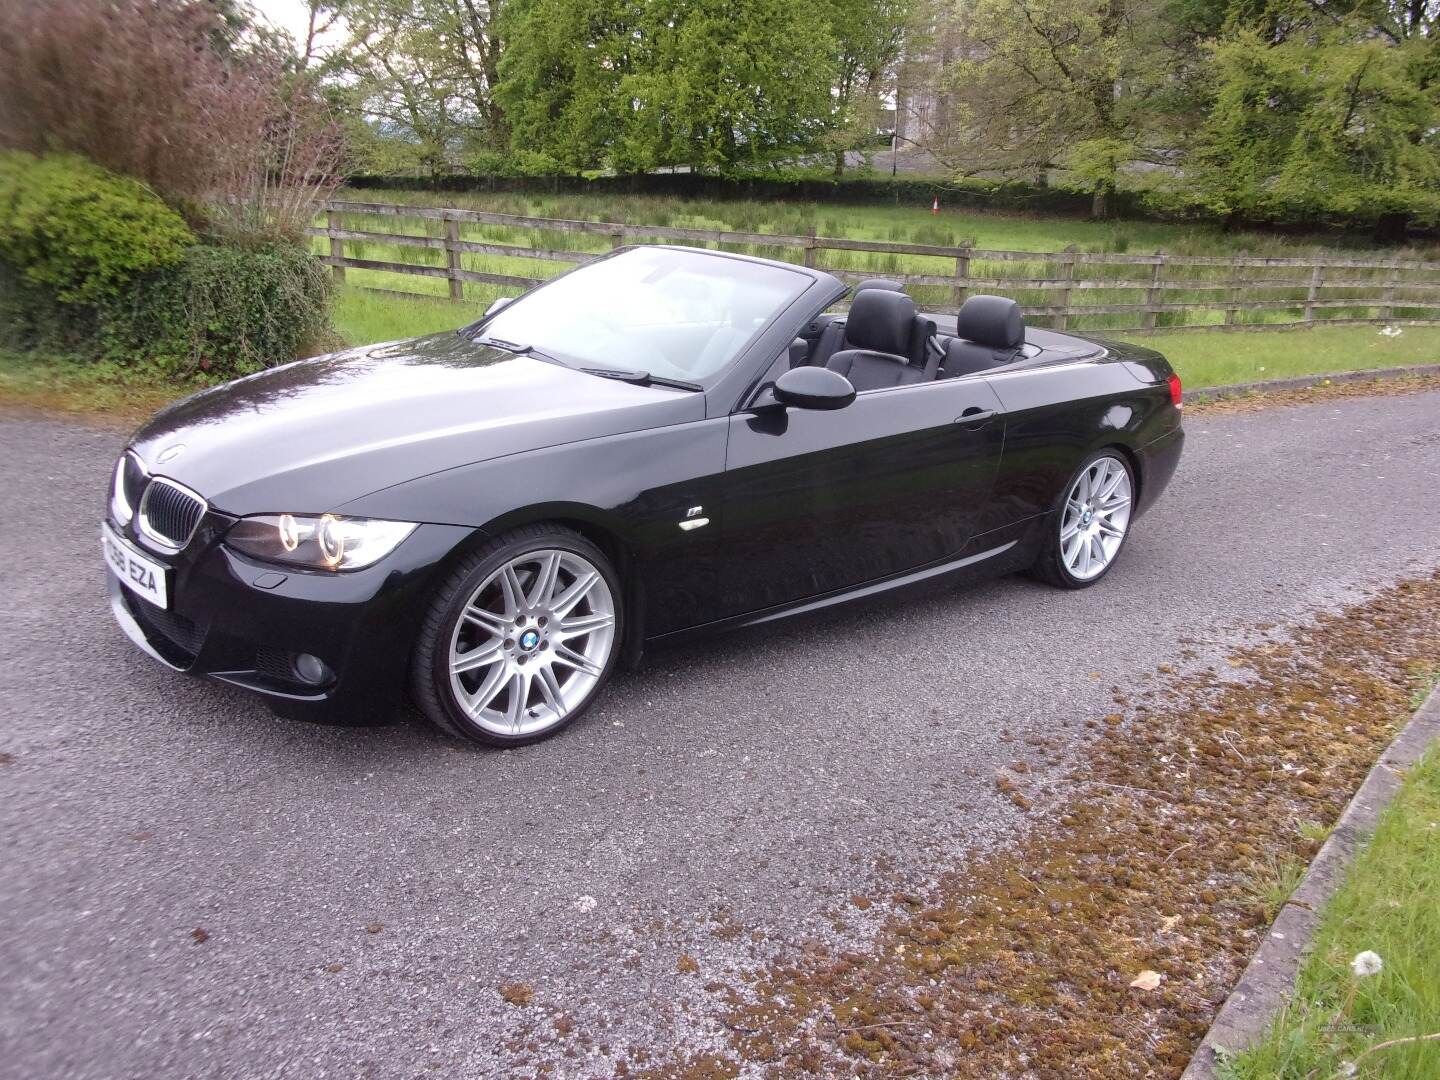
(1300, 382)
(1268, 980)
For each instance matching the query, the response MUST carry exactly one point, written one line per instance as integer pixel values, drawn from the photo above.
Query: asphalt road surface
(754, 780)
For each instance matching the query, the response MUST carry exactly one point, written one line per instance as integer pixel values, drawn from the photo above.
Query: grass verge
(69, 385)
(1214, 358)
(1341, 1024)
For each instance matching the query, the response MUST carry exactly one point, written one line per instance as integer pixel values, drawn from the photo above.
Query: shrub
(69, 226)
(176, 93)
(219, 312)
(224, 310)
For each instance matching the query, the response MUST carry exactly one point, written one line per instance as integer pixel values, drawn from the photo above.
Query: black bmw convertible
(662, 441)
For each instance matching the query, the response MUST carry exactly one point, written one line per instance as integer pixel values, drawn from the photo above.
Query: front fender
(635, 487)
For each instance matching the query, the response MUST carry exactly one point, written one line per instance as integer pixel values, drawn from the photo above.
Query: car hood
(313, 435)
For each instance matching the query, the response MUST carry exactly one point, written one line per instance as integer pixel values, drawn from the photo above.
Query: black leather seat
(990, 333)
(878, 332)
(836, 338)
(883, 284)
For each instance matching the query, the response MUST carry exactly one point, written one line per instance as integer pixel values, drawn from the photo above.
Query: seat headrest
(991, 320)
(880, 320)
(881, 284)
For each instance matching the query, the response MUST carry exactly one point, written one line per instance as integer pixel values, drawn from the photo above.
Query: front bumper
(243, 622)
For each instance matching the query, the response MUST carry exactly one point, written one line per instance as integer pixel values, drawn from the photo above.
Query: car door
(819, 501)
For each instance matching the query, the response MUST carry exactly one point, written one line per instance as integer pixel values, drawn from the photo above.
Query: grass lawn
(1203, 358)
(363, 317)
(1386, 905)
(1214, 358)
(908, 224)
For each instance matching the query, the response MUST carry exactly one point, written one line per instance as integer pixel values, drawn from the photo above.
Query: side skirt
(802, 607)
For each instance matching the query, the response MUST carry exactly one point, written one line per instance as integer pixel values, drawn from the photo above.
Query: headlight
(125, 487)
(323, 542)
(119, 504)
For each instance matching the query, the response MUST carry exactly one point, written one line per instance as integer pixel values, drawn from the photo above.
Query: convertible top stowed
(1041, 346)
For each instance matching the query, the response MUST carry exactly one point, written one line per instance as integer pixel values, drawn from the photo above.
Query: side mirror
(814, 388)
(498, 306)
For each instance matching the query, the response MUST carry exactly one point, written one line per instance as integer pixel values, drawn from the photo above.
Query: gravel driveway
(363, 894)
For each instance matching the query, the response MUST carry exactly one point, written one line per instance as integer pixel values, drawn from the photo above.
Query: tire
(1096, 502)
(520, 638)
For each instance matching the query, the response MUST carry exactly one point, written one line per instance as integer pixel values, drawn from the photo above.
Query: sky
(291, 15)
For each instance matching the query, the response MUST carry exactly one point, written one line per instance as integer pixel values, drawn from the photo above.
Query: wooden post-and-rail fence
(1069, 289)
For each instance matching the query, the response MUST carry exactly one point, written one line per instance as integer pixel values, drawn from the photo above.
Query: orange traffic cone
(935, 206)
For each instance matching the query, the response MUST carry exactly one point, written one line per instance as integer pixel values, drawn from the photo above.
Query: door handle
(974, 418)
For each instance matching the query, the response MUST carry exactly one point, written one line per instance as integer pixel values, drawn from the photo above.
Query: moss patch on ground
(1145, 860)
(1313, 395)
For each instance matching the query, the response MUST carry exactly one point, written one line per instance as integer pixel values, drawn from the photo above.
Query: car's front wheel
(1093, 521)
(520, 637)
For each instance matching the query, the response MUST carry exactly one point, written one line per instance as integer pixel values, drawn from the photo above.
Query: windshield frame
(785, 315)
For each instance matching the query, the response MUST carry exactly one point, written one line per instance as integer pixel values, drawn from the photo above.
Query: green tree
(715, 85)
(421, 75)
(1074, 84)
(1323, 111)
(869, 35)
(560, 75)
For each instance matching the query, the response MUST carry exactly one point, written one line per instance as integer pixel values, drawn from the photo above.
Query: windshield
(671, 314)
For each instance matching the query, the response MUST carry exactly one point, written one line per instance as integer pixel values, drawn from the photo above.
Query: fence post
(809, 256)
(452, 258)
(1154, 293)
(1317, 279)
(337, 246)
(1387, 310)
(617, 237)
(1233, 309)
(1067, 274)
(962, 272)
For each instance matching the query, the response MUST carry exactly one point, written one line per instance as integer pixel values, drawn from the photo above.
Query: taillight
(1175, 391)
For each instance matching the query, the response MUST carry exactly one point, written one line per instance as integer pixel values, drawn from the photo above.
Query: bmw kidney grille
(170, 513)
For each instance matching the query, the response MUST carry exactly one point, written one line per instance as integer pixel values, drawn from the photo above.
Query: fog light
(311, 669)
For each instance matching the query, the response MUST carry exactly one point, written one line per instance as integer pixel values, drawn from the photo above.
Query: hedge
(222, 310)
(1012, 196)
(965, 194)
(95, 264)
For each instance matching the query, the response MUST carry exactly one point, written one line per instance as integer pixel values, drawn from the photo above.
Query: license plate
(144, 577)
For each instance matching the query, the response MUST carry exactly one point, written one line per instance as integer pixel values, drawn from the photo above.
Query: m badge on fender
(693, 520)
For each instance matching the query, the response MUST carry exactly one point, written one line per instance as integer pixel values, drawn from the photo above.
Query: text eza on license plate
(144, 578)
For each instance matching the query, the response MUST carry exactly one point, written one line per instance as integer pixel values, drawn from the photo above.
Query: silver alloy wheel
(1097, 513)
(532, 642)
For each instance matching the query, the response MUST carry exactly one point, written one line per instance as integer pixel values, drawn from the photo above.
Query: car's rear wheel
(520, 638)
(1092, 523)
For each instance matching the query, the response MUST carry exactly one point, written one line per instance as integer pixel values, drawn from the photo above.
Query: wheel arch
(1133, 460)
